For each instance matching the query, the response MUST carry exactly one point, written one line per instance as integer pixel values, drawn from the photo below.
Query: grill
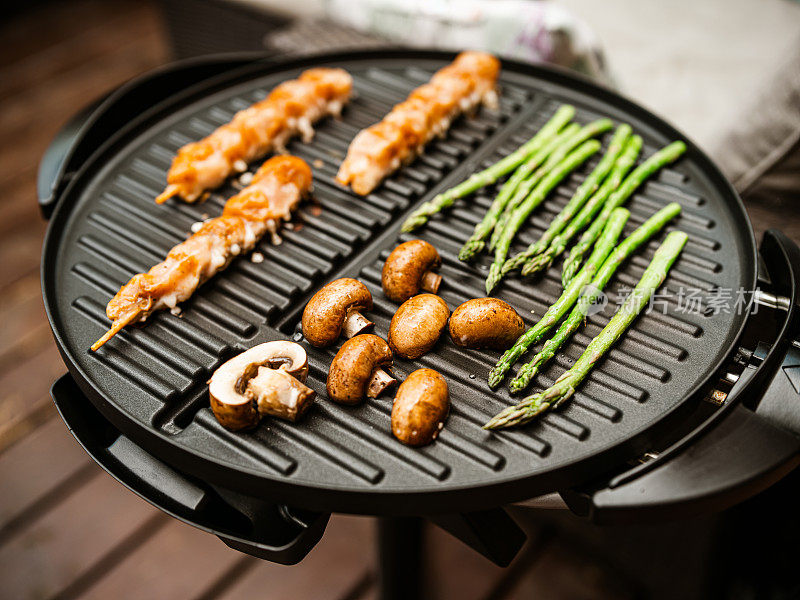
(140, 404)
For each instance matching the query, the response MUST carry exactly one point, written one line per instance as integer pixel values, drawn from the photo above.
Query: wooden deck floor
(67, 530)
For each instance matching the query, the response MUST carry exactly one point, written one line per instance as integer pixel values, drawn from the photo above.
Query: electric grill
(692, 411)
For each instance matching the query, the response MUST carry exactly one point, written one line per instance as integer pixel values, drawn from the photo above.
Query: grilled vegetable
(410, 268)
(559, 308)
(417, 325)
(491, 174)
(663, 157)
(579, 198)
(627, 247)
(569, 143)
(521, 213)
(357, 370)
(485, 323)
(526, 176)
(267, 379)
(334, 310)
(420, 408)
(564, 387)
(534, 263)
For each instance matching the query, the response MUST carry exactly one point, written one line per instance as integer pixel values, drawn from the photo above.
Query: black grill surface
(151, 381)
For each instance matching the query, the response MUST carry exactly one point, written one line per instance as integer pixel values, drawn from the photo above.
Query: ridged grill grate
(156, 374)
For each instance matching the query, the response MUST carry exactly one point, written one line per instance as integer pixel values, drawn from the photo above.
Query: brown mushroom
(333, 310)
(267, 379)
(417, 325)
(357, 370)
(420, 408)
(485, 323)
(409, 269)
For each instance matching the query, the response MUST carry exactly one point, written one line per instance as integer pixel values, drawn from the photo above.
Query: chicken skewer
(276, 190)
(380, 149)
(290, 109)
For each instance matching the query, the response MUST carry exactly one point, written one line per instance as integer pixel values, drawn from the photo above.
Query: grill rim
(379, 501)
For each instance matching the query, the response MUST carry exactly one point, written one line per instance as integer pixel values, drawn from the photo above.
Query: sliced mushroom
(420, 408)
(417, 325)
(278, 394)
(357, 370)
(485, 323)
(410, 268)
(267, 379)
(334, 310)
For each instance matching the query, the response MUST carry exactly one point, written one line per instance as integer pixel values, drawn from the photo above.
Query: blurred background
(726, 72)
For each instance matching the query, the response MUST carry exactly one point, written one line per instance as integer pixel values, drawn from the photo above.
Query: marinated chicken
(382, 148)
(290, 109)
(275, 191)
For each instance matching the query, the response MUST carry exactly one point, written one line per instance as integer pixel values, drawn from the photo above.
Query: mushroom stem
(380, 381)
(430, 282)
(356, 323)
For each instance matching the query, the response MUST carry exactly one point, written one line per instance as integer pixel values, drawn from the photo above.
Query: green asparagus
(543, 261)
(491, 174)
(593, 292)
(568, 297)
(571, 142)
(664, 156)
(534, 199)
(564, 387)
(522, 176)
(579, 198)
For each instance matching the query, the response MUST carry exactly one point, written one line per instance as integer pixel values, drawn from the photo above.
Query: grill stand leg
(400, 550)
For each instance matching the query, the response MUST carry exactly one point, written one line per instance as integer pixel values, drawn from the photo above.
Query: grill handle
(748, 444)
(269, 531)
(106, 119)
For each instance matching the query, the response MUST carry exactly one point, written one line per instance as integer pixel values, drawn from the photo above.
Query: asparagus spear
(536, 197)
(593, 291)
(568, 297)
(571, 142)
(564, 387)
(491, 174)
(522, 175)
(582, 194)
(588, 212)
(664, 156)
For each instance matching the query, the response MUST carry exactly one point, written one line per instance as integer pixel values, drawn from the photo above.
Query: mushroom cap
(353, 366)
(227, 388)
(325, 313)
(420, 407)
(485, 323)
(417, 325)
(402, 272)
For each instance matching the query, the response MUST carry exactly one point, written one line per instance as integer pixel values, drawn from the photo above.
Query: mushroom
(485, 323)
(409, 269)
(420, 408)
(357, 370)
(417, 325)
(267, 379)
(334, 309)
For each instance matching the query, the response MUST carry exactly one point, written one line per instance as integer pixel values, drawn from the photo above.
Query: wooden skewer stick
(117, 326)
(168, 193)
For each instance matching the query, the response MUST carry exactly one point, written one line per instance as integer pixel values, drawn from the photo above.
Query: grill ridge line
(393, 231)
